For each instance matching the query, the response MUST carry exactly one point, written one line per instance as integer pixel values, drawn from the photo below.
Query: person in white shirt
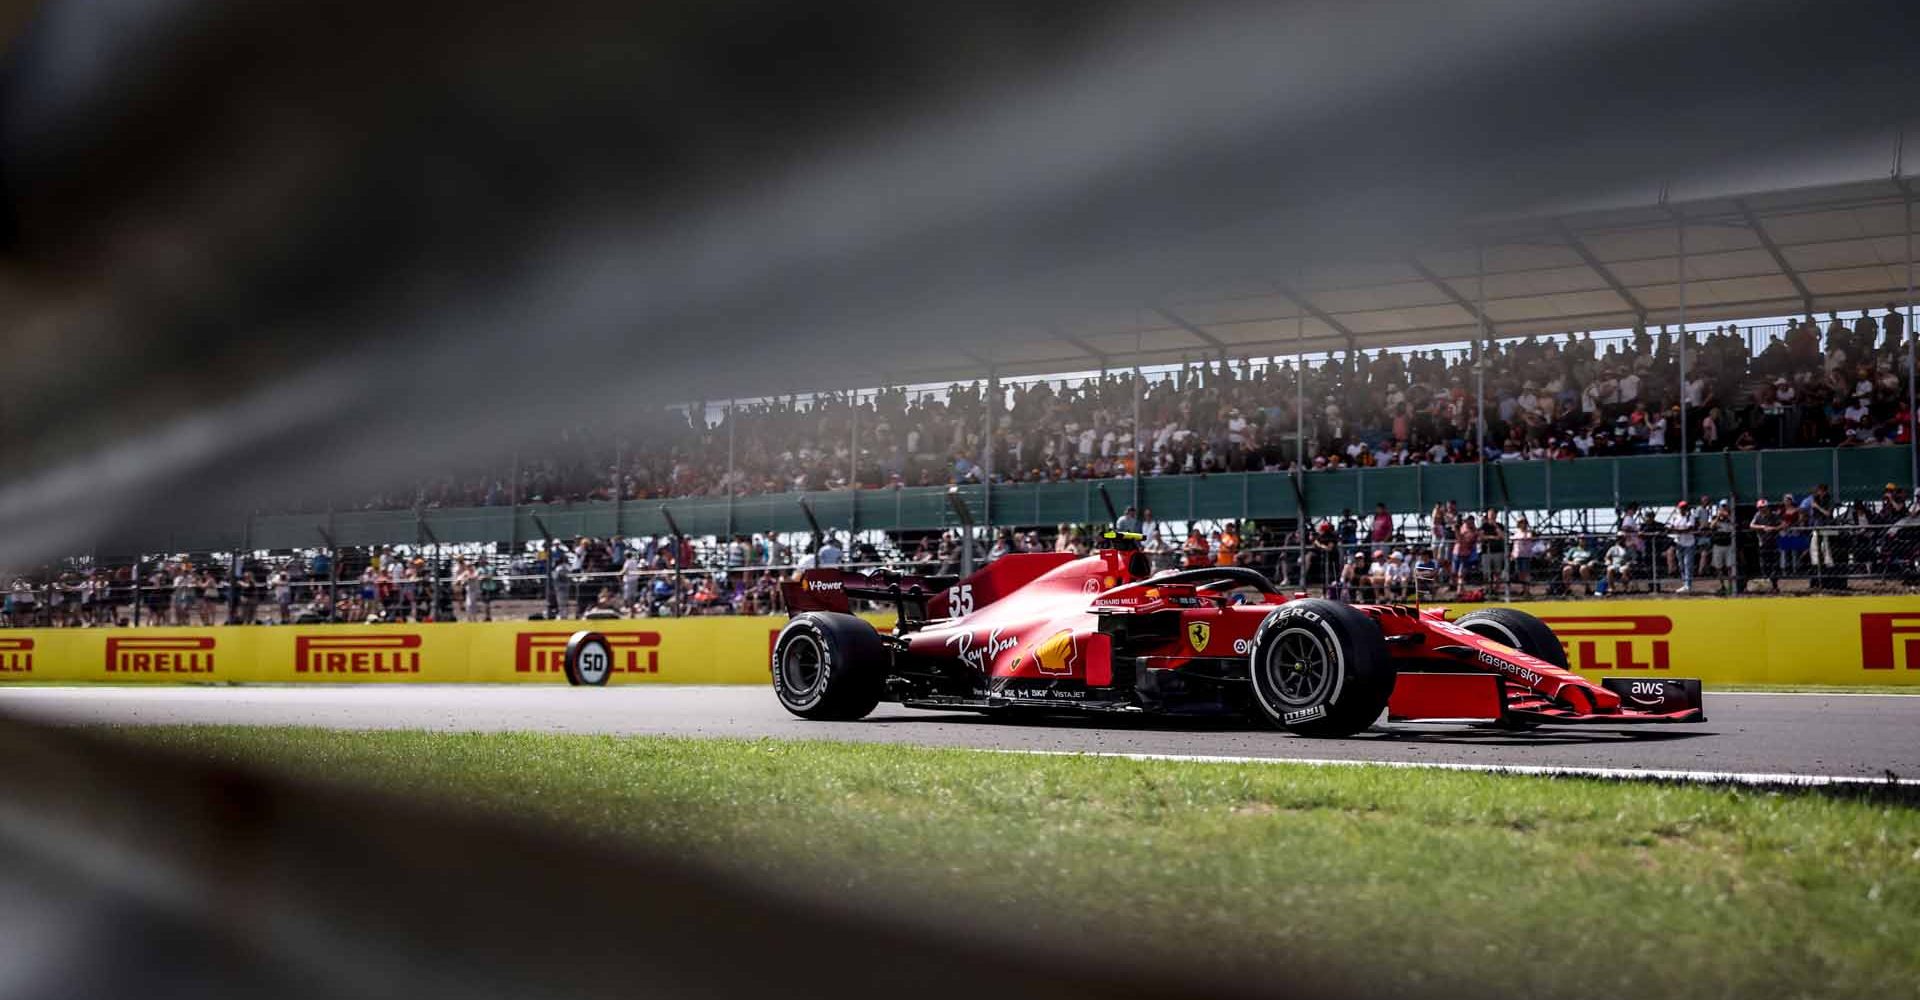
(1681, 529)
(1619, 565)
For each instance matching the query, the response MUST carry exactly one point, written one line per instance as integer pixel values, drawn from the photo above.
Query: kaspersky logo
(359, 653)
(16, 656)
(184, 654)
(1878, 648)
(1615, 642)
(545, 652)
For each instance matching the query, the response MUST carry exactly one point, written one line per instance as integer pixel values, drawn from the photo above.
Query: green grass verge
(1414, 879)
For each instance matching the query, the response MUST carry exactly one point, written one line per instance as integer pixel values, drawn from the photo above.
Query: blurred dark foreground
(130, 872)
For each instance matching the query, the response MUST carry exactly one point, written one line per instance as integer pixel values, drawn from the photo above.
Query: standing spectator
(1720, 535)
(1817, 509)
(1493, 548)
(1466, 551)
(1195, 553)
(1766, 527)
(1228, 553)
(1681, 530)
(1522, 554)
(280, 582)
(1381, 530)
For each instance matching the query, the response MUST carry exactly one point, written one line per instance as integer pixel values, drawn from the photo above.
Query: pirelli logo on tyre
(357, 653)
(1615, 642)
(171, 654)
(546, 652)
(1890, 640)
(16, 655)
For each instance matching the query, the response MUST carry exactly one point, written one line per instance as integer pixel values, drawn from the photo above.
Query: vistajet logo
(183, 654)
(1878, 648)
(359, 653)
(16, 656)
(1615, 642)
(545, 652)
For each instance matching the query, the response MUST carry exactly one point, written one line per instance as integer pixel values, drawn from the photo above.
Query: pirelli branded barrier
(1757, 640)
(688, 651)
(1803, 640)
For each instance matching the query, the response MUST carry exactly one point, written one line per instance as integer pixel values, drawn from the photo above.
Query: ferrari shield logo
(1198, 633)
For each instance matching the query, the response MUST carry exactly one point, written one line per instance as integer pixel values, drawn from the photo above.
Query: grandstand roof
(1764, 237)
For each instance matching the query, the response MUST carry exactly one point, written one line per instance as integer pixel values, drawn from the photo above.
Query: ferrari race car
(1102, 633)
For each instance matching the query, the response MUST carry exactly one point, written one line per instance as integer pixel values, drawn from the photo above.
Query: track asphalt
(1802, 734)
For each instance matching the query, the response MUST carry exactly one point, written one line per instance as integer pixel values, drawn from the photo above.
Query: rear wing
(828, 589)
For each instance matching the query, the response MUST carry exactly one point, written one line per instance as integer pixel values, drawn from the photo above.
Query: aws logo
(1615, 642)
(1878, 648)
(545, 652)
(16, 656)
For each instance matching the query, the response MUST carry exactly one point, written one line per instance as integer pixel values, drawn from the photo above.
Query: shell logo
(1055, 655)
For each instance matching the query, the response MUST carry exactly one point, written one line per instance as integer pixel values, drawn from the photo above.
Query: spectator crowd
(1545, 398)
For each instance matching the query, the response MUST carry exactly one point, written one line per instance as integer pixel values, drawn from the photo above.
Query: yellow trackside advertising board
(1758, 640)
(1788, 640)
(686, 651)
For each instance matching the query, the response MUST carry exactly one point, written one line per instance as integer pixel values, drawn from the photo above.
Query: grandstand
(1573, 364)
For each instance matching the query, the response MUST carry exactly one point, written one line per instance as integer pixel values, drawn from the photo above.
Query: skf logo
(16, 656)
(362, 653)
(1877, 644)
(187, 654)
(1198, 633)
(544, 652)
(1615, 642)
(1055, 655)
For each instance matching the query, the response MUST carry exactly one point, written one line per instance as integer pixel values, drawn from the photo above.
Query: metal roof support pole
(1681, 229)
(732, 488)
(1480, 374)
(1913, 439)
(1139, 431)
(987, 449)
(1300, 434)
(620, 481)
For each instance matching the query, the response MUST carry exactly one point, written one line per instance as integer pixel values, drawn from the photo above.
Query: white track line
(1817, 694)
(1649, 774)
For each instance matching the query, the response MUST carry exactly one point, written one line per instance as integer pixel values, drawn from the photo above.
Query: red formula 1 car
(1100, 633)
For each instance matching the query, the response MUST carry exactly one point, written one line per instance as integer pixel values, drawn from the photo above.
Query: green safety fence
(1590, 483)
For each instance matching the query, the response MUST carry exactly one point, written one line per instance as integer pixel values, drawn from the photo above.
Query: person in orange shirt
(1195, 550)
(1229, 552)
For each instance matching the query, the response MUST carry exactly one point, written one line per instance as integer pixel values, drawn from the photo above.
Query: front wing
(1491, 698)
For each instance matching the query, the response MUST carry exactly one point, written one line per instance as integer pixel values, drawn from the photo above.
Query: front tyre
(1523, 632)
(1518, 629)
(1320, 668)
(829, 666)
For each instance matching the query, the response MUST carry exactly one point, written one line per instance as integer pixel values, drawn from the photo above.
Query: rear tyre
(829, 666)
(1518, 629)
(1320, 668)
